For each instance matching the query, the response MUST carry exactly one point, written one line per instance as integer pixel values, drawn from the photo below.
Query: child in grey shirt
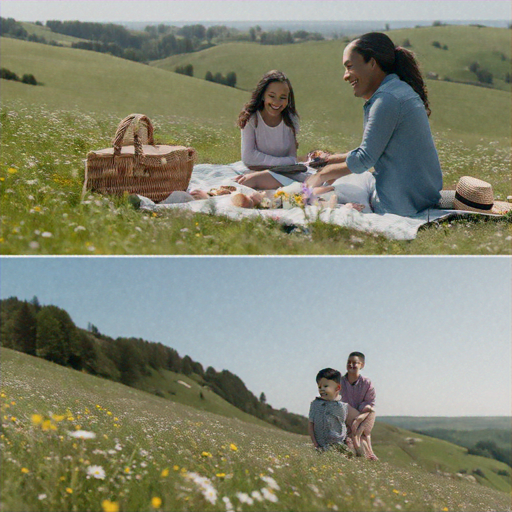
(328, 415)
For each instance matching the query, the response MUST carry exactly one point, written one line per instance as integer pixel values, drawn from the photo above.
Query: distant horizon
(279, 10)
(279, 334)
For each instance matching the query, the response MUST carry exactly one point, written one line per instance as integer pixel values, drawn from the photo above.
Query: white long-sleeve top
(268, 145)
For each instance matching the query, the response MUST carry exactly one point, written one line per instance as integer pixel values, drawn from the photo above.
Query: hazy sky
(436, 331)
(258, 10)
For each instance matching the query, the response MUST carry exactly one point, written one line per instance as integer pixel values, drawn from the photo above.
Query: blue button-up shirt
(397, 143)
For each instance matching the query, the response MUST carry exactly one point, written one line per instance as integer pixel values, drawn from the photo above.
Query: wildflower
(46, 234)
(270, 482)
(229, 505)
(164, 473)
(308, 195)
(12, 170)
(176, 468)
(109, 506)
(244, 498)
(96, 472)
(127, 470)
(69, 490)
(206, 454)
(82, 434)
(396, 492)
(41, 497)
(37, 419)
(58, 417)
(257, 495)
(156, 502)
(220, 475)
(233, 447)
(25, 470)
(269, 495)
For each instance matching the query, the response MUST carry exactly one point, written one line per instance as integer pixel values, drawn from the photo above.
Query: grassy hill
(148, 452)
(316, 72)
(490, 47)
(49, 34)
(48, 129)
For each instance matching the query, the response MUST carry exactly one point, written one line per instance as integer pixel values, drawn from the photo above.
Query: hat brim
(498, 208)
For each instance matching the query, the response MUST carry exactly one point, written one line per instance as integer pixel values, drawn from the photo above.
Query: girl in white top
(269, 124)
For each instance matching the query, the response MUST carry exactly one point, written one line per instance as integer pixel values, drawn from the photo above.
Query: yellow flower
(445, 509)
(156, 502)
(37, 419)
(109, 506)
(126, 470)
(396, 492)
(176, 468)
(69, 490)
(206, 454)
(25, 470)
(233, 447)
(58, 417)
(165, 472)
(37, 208)
(12, 170)
(220, 475)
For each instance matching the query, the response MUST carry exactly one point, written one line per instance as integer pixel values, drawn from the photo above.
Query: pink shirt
(358, 395)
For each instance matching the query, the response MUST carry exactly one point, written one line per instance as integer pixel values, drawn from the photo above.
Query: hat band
(467, 202)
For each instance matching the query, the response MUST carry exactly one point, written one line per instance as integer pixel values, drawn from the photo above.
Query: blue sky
(436, 331)
(258, 10)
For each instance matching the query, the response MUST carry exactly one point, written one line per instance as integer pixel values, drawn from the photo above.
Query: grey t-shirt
(329, 420)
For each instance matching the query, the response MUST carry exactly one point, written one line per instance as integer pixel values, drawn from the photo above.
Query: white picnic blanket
(206, 176)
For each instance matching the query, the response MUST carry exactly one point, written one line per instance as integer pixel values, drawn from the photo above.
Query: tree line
(50, 333)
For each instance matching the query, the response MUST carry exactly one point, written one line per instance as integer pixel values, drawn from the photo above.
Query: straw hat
(475, 195)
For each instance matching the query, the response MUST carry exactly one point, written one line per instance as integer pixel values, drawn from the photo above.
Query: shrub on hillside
(29, 79)
(219, 78)
(186, 69)
(7, 74)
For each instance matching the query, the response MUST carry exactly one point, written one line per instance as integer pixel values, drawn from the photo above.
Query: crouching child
(328, 416)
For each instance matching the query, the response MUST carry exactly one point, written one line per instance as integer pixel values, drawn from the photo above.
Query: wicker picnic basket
(153, 171)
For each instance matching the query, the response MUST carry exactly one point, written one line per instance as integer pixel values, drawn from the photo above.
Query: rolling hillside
(38, 386)
(48, 34)
(316, 73)
(95, 82)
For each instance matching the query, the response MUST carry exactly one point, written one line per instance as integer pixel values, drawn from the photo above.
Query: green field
(148, 452)
(48, 34)
(47, 131)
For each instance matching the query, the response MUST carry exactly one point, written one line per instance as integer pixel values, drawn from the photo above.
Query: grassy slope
(456, 423)
(47, 130)
(49, 35)
(94, 82)
(38, 386)
(315, 70)
(167, 385)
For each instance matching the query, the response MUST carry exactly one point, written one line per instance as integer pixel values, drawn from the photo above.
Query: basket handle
(135, 119)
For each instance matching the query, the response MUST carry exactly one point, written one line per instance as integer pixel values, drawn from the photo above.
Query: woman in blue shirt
(397, 141)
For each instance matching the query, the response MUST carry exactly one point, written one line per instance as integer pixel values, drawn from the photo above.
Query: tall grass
(41, 176)
(72, 442)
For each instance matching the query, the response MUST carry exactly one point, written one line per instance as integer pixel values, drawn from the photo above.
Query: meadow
(71, 441)
(47, 131)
